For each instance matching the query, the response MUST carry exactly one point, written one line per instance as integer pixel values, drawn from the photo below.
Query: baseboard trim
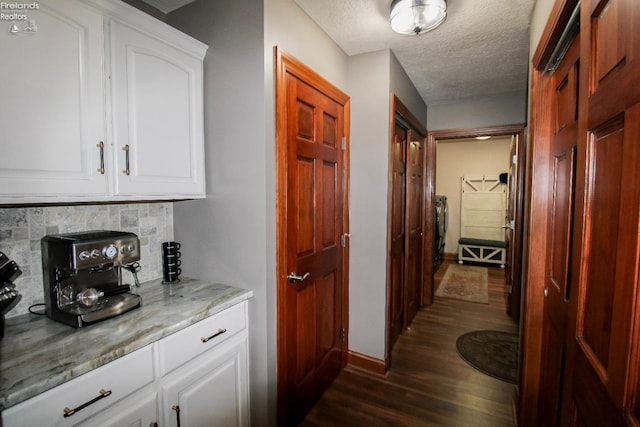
(371, 365)
(450, 256)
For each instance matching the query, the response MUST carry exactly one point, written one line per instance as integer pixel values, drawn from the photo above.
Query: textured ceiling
(482, 48)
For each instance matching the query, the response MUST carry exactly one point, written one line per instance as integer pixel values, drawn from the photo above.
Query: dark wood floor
(428, 383)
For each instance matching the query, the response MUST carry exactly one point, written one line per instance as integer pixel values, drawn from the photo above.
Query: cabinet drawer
(120, 377)
(177, 349)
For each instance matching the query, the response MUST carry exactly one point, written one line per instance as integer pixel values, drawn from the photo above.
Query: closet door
(557, 290)
(396, 264)
(414, 210)
(606, 386)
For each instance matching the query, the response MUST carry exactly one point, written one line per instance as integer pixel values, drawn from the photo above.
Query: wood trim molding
(558, 20)
(449, 256)
(399, 108)
(371, 365)
(539, 170)
(473, 132)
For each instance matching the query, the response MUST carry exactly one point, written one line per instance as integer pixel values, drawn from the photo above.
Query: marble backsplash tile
(22, 228)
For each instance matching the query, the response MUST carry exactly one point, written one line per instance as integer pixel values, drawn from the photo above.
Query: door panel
(312, 190)
(415, 223)
(609, 49)
(607, 335)
(605, 314)
(397, 272)
(561, 210)
(606, 154)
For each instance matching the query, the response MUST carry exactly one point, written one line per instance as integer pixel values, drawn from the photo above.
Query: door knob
(293, 277)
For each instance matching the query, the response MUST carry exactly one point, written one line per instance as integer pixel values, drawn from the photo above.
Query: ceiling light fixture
(483, 138)
(417, 16)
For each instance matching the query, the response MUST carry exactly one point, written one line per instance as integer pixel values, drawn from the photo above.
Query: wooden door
(397, 263)
(557, 291)
(415, 185)
(515, 224)
(312, 202)
(605, 386)
(509, 223)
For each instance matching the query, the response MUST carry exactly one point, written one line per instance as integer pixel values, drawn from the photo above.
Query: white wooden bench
(480, 250)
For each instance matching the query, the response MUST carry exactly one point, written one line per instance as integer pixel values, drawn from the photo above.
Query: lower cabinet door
(211, 390)
(138, 410)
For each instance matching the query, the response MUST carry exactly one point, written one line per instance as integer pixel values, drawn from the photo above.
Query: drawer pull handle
(103, 393)
(220, 332)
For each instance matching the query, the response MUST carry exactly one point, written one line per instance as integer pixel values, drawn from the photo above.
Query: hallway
(428, 383)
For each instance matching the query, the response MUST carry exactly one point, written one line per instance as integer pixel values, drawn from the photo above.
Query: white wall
(369, 88)
(406, 91)
(478, 112)
(539, 17)
(224, 238)
(466, 158)
(230, 236)
(372, 78)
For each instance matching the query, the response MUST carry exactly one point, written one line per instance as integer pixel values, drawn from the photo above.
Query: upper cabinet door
(52, 109)
(157, 115)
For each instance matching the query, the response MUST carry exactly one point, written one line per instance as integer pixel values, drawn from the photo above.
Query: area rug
(494, 353)
(465, 282)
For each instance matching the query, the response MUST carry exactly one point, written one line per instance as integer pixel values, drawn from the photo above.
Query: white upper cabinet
(52, 109)
(102, 103)
(157, 115)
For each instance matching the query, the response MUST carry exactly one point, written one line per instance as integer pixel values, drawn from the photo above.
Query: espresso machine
(82, 275)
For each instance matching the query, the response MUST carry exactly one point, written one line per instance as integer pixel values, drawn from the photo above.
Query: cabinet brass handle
(103, 393)
(220, 332)
(177, 409)
(126, 159)
(101, 147)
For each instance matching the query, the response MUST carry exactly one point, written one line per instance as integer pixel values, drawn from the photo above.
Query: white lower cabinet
(211, 391)
(205, 384)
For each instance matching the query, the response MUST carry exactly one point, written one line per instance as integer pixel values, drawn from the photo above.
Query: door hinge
(515, 159)
(510, 289)
(344, 142)
(342, 334)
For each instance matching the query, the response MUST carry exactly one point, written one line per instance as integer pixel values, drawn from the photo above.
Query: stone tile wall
(22, 228)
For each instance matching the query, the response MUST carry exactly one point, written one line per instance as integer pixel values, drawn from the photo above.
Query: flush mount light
(417, 16)
(482, 138)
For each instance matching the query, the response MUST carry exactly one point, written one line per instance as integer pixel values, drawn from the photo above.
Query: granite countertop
(37, 354)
